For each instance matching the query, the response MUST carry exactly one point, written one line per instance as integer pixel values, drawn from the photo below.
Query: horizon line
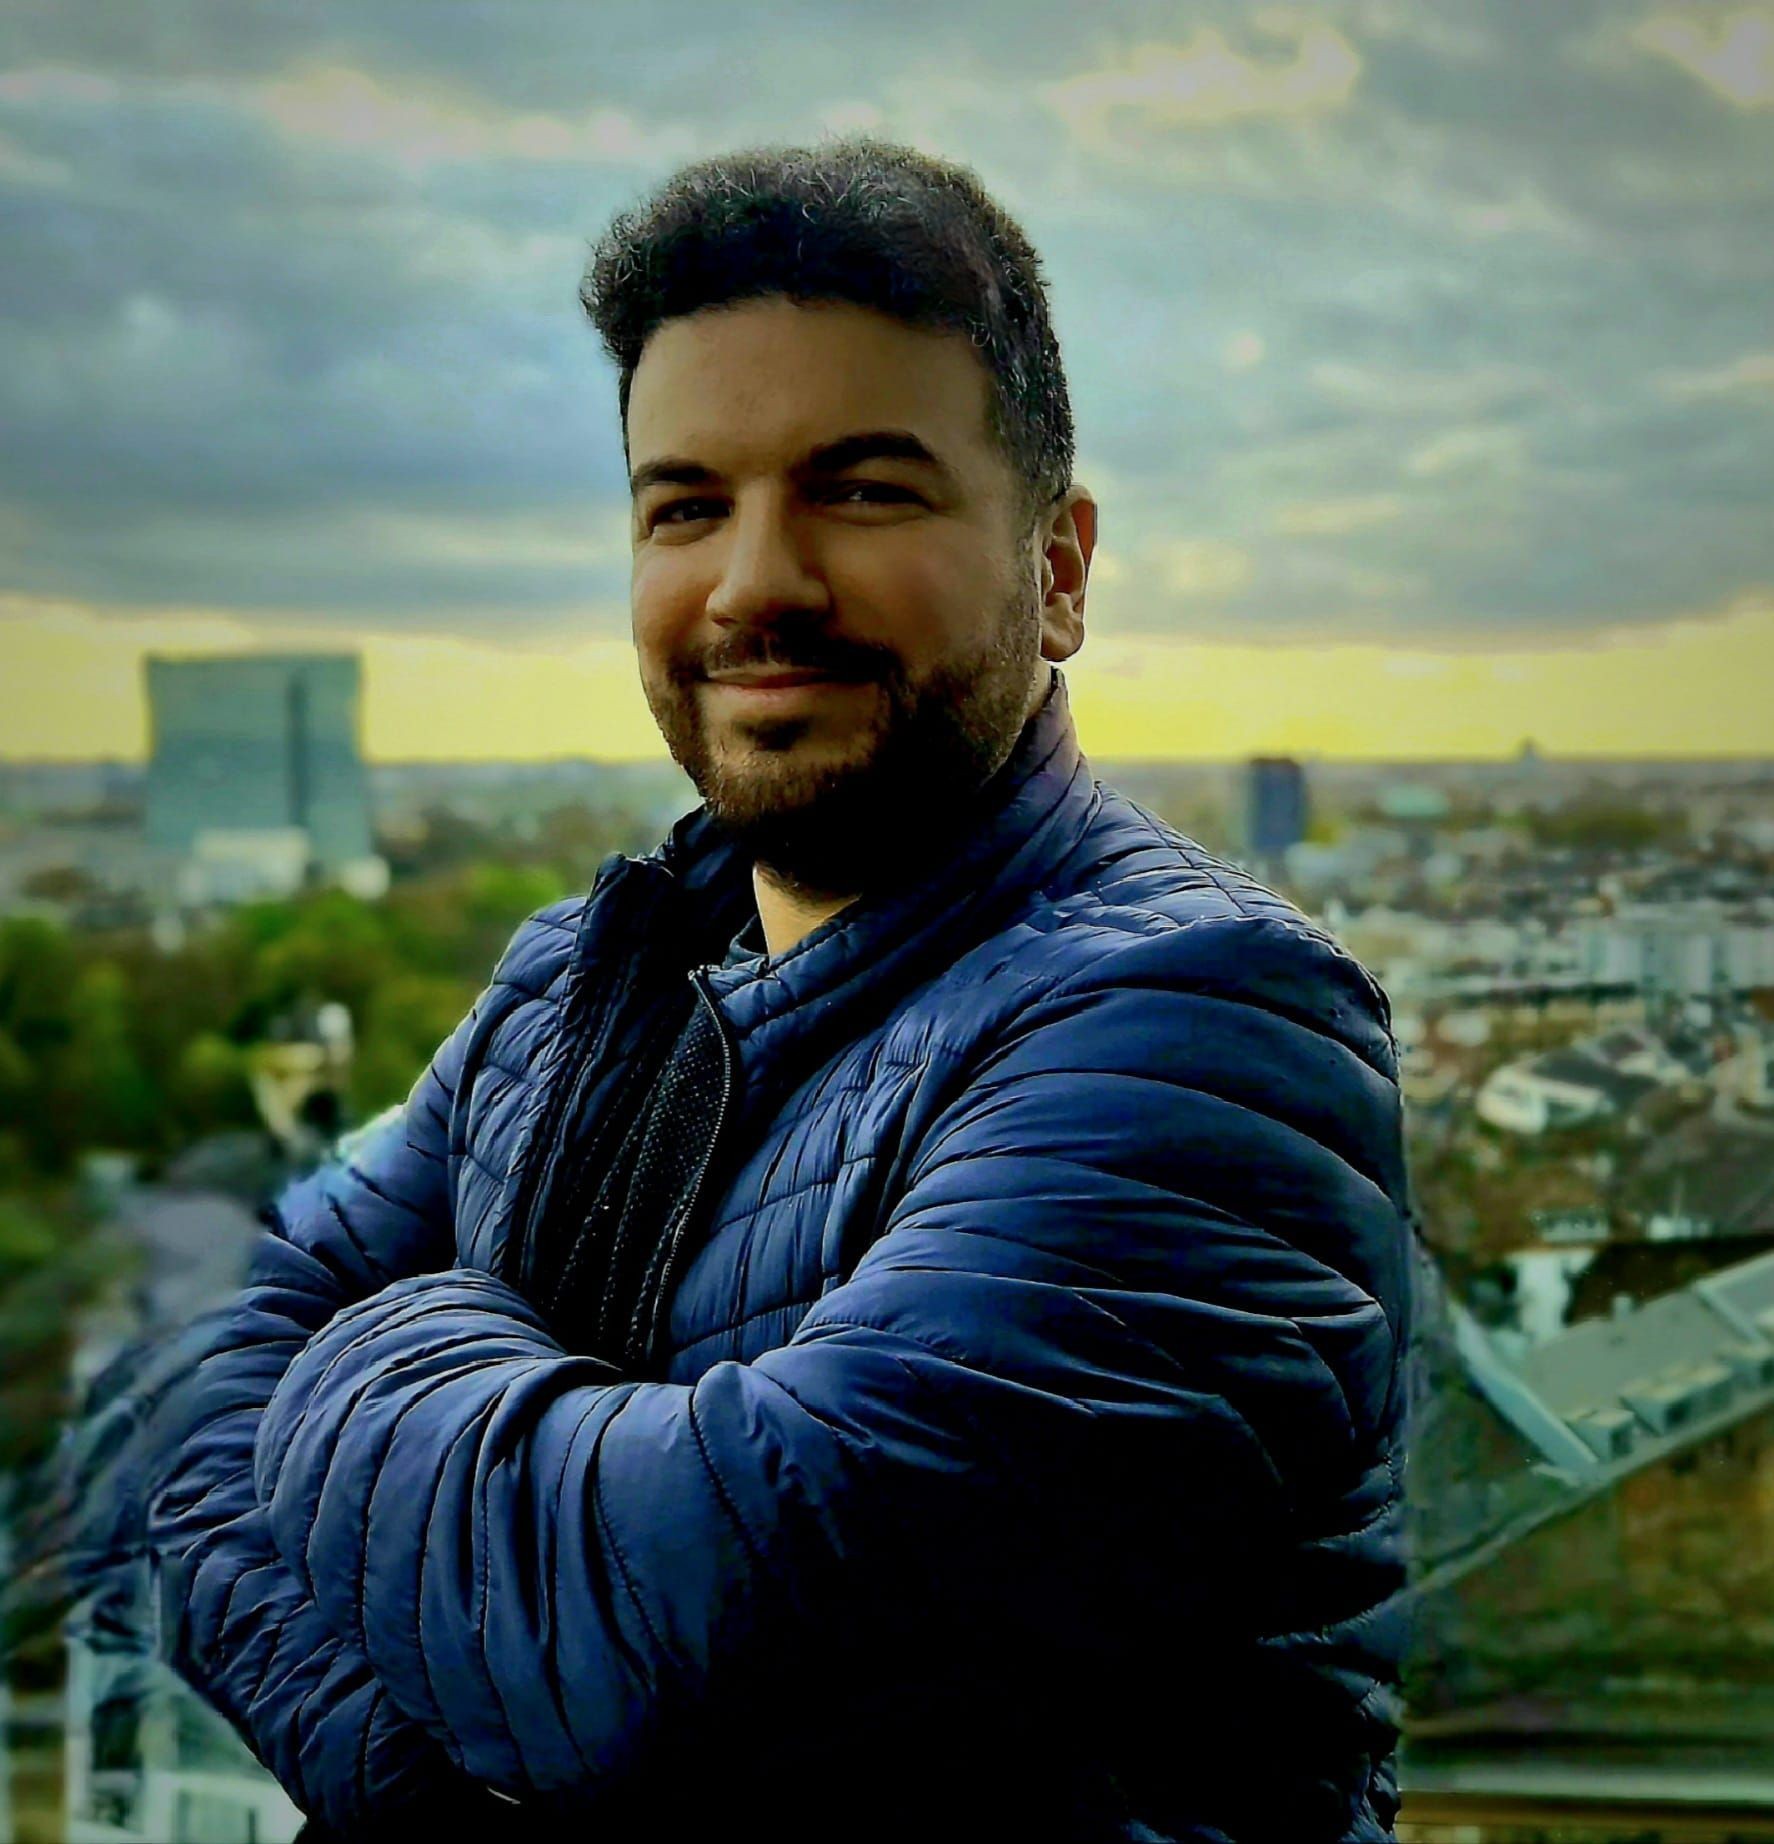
(1540, 757)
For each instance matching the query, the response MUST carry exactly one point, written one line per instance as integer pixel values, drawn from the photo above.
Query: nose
(765, 572)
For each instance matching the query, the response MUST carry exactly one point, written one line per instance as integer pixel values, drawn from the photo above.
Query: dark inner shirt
(613, 1268)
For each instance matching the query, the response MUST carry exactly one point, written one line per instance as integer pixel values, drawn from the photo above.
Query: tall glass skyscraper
(1274, 807)
(258, 742)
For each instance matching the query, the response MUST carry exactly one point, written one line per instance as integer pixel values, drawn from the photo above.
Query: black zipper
(661, 1294)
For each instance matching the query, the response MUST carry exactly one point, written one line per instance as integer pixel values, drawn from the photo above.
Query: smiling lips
(786, 686)
(769, 677)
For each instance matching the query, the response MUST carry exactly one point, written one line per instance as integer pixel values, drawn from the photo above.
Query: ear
(1068, 538)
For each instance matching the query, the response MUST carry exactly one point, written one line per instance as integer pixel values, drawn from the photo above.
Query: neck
(788, 912)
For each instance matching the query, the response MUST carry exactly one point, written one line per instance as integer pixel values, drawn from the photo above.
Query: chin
(793, 743)
(751, 782)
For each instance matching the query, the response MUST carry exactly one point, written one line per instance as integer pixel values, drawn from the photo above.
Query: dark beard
(845, 828)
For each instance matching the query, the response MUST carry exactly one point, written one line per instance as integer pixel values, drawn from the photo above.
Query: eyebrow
(828, 458)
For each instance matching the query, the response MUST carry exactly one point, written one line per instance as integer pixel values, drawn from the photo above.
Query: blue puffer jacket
(1022, 1455)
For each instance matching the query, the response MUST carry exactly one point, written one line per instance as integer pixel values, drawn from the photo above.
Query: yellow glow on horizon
(71, 688)
(1696, 687)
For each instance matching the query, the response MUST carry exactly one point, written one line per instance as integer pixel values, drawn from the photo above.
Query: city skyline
(1624, 704)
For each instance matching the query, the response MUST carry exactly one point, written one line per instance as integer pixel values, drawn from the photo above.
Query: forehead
(758, 384)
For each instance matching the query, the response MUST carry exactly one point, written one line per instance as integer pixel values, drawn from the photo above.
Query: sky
(1421, 352)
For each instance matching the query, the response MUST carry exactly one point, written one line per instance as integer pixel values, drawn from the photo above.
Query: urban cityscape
(238, 954)
(1391, 387)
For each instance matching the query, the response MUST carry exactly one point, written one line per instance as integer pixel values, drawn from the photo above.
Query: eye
(873, 486)
(668, 515)
(665, 514)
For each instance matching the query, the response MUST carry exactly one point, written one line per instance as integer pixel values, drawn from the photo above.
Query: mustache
(837, 659)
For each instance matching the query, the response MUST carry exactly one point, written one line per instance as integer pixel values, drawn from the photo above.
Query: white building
(1685, 950)
(1523, 1098)
(1563, 1088)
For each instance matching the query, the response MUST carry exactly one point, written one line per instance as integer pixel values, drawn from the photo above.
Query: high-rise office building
(258, 747)
(1274, 807)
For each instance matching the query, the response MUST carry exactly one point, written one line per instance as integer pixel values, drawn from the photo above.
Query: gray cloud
(1444, 318)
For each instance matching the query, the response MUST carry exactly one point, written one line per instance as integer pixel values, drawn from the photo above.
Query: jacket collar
(1026, 820)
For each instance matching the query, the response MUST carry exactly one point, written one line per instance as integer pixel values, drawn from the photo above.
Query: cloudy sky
(1422, 354)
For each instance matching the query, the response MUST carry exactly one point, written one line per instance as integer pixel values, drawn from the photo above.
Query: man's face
(892, 588)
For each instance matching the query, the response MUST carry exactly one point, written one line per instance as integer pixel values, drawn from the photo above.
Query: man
(886, 1320)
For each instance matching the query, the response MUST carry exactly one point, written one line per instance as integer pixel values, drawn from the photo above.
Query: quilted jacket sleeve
(235, 1621)
(1139, 1299)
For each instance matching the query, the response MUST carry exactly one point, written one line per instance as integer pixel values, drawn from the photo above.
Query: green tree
(51, 1265)
(17, 1078)
(38, 963)
(109, 1094)
(409, 1017)
(503, 894)
(1595, 824)
(210, 1087)
(331, 946)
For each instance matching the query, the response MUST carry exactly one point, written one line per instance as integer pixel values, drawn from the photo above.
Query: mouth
(768, 689)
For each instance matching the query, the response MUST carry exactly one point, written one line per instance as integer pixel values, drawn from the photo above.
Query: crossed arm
(1139, 1297)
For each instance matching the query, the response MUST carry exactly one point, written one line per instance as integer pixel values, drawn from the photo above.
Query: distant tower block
(258, 743)
(1275, 807)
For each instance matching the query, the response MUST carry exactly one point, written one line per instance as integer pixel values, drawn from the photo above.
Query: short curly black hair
(858, 219)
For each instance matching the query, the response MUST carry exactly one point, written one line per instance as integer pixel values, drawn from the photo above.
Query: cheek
(945, 616)
(914, 598)
(662, 626)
